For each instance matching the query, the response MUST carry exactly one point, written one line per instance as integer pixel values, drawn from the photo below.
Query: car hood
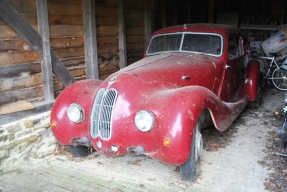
(176, 69)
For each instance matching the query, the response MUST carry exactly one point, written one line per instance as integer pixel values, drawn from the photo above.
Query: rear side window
(235, 48)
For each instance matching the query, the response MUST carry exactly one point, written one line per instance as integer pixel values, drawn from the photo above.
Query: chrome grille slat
(101, 119)
(95, 113)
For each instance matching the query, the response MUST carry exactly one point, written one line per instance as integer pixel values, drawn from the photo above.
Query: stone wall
(24, 140)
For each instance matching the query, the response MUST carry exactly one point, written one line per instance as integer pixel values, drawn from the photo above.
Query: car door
(234, 69)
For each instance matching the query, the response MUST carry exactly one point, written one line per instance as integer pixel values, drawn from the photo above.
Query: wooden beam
(20, 70)
(46, 64)
(148, 20)
(122, 35)
(7, 118)
(90, 35)
(261, 27)
(12, 18)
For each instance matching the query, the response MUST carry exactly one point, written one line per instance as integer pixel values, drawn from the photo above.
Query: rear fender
(252, 79)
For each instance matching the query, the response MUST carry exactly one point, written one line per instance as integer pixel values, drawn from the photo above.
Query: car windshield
(200, 43)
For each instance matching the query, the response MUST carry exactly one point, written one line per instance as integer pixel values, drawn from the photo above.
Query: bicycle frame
(272, 62)
(276, 72)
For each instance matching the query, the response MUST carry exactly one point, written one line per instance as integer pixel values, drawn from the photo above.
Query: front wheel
(279, 79)
(79, 151)
(190, 169)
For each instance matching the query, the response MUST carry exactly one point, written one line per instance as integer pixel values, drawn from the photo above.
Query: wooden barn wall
(66, 37)
(20, 69)
(107, 37)
(134, 11)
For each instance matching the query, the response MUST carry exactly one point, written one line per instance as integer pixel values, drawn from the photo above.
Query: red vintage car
(191, 76)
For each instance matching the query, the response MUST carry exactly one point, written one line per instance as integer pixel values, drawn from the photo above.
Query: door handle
(228, 67)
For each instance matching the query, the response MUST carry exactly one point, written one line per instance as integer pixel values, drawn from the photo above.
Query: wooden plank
(78, 72)
(46, 63)
(58, 86)
(65, 20)
(22, 114)
(64, 9)
(90, 37)
(135, 39)
(134, 5)
(75, 61)
(15, 107)
(70, 52)
(11, 58)
(106, 11)
(57, 31)
(31, 18)
(66, 42)
(21, 94)
(102, 40)
(135, 46)
(107, 21)
(135, 22)
(11, 18)
(13, 45)
(104, 68)
(19, 70)
(24, 6)
(78, 2)
(107, 31)
(7, 32)
(109, 3)
(11, 84)
(108, 49)
(135, 30)
(122, 35)
(134, 14)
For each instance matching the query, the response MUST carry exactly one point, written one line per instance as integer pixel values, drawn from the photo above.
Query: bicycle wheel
(279, 79)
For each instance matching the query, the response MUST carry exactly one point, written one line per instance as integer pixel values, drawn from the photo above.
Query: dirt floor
(243, 158)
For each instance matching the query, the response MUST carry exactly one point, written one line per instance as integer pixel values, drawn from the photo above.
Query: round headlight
(75, 113)
(144, 120)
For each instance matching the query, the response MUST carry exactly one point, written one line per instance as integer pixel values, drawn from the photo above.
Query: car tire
(255, 104)
(79, 151)
(190, 169)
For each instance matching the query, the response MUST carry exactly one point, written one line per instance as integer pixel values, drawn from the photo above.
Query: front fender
(179, 112)
(252, 79)
(81, 92)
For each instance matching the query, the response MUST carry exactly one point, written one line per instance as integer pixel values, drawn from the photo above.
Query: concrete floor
(236, 167)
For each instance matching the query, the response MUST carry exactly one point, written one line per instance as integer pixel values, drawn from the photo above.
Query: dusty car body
(190, 76)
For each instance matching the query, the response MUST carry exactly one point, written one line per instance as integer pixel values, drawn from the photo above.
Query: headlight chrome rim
(144, 120)
(75, 113)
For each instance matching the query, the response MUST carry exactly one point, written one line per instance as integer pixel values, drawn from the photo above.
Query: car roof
(200, 27)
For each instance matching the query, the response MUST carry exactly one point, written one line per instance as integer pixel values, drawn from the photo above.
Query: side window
(235, 47)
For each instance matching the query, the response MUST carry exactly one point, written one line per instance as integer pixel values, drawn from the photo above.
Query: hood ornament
(112, 80)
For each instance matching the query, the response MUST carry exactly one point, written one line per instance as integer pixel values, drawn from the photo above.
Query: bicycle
(277, 71)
